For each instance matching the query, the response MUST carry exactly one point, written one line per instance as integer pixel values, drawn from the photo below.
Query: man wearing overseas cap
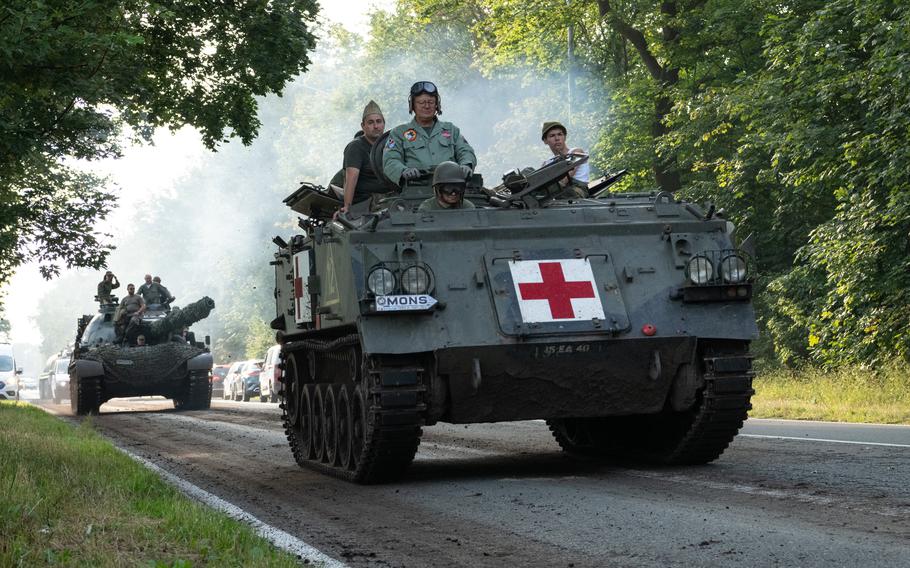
(360, 181)
(553, 135)
(426, 141)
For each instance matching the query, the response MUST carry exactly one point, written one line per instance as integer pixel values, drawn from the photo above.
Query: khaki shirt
(105, 287)
(409, 146)
(132, 304)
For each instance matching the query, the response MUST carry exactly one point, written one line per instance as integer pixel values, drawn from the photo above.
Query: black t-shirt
(357, 155)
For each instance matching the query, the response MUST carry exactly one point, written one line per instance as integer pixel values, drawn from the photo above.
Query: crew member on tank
(360, 181)
(449, 185)
(554, 135)
(426, 141)
(164, 295)
(132, 304)
(105, 287)
(150, 291)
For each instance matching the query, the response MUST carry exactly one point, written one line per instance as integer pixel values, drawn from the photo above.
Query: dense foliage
(793, 116)
(74, 74)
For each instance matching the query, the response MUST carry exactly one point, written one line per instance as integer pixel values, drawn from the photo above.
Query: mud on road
(504, 495)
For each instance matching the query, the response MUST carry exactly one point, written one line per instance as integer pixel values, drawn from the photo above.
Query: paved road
(784, 494)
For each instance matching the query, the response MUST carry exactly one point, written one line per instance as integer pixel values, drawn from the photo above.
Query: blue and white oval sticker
(404, 302)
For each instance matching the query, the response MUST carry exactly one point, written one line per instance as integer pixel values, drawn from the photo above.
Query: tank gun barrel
(178, 318)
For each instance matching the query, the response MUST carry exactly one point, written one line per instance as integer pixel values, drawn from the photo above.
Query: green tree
(73, 75)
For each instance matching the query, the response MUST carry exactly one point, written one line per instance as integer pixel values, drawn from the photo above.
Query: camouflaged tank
(106, 362)
(622, 319)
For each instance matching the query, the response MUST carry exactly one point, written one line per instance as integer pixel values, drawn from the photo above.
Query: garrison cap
(548, 126)
(371, 108)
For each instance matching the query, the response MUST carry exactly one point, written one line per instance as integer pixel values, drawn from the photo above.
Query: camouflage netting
(180, 317)
(163, 363)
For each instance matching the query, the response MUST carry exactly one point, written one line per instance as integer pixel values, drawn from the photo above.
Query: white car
(9, 373)
(270, 377)
(28, 389)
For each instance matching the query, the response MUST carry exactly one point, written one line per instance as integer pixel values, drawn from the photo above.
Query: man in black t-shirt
(360, 181)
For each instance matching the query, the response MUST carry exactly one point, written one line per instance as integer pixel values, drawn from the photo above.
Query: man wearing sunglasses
(426, 141)
(449, 186)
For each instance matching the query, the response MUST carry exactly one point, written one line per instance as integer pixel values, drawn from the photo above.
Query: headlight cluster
(732, 266)
(413, 279)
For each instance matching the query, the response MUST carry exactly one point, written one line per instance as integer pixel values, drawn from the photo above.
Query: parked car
(28, 389)
(58, 380)
(230, 381)
(8, 373)
(270, 377)
(249, 379)
(219, 372)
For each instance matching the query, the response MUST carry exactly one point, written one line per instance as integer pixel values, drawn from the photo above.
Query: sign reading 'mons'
(404, 302)
(556, 290)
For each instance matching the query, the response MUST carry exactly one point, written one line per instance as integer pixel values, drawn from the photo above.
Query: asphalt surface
(785, 493)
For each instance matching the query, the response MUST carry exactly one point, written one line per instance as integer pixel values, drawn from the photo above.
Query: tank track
(695, 437)
(85, 395)
(198, 393)
(377, 412)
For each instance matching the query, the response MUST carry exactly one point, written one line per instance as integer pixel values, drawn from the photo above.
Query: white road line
(824, 440)
(278, 537)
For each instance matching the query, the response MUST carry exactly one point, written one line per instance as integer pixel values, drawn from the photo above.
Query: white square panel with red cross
(556, 290)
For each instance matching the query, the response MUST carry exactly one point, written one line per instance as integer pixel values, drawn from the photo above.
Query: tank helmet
(424, 88)
(448, 172)
(548, 126)
(371, 108)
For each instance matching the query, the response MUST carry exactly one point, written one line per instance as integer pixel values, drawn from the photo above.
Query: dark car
(249, 379)
(218, 374)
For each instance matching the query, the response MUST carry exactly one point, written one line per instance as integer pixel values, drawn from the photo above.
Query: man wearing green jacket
(426, 141)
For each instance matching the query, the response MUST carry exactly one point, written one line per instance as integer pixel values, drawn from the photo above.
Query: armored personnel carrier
(623, 320)
(107, 362)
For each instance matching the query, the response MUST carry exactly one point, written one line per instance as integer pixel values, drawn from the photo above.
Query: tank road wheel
(578, 436)
(85, 395)
(296, 408)
(329, 422)
(343, 426)
(318, 423)
(358, 427)
(305, 429)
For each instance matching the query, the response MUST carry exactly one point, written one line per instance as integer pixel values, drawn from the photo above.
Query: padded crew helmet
(448, 172)
(421, 88)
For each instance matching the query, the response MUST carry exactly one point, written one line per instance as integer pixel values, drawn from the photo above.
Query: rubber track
(724, 407)
(87, 399)
(388, 448)
(199, 393)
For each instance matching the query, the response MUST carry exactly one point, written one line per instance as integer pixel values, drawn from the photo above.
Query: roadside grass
(849, 394)
(69, 497)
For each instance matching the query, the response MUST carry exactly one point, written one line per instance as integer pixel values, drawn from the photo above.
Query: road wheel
(305, 423)
(343, 426)
(329, 421)
(358, 427)
(318, 424)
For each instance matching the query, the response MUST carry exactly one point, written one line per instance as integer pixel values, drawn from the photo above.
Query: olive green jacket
(432, 204)
(408, 146)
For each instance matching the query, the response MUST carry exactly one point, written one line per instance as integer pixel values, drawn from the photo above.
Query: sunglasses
(423, 87)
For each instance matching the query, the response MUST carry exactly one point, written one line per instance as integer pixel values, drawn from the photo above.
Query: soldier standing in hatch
(426, 141)
(449, 186)
(164, 295)
(554, 135)
(360, 181)
(105, 287)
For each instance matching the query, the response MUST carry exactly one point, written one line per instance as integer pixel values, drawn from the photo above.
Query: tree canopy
(73, 75)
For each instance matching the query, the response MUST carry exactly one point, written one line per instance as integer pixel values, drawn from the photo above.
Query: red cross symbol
(555, 290)
(298, 285)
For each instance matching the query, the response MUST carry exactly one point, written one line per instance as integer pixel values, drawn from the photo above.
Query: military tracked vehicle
(622, 319)
(107, 362)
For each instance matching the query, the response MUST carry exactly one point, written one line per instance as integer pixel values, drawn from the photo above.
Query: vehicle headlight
(381, 281)
(733, 269)
(415, 280)
(700, 270)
